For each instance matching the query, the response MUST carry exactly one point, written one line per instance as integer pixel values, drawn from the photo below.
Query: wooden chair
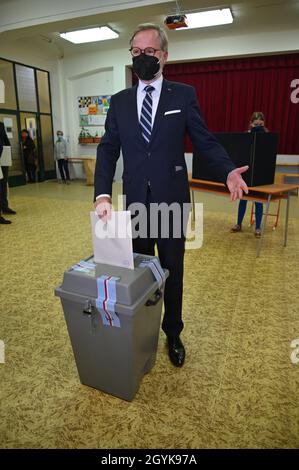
(276, 215)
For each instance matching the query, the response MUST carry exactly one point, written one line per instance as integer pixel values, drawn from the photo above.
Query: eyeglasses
(136, 51)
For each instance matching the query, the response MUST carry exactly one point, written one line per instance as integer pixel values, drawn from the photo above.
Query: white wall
(83, 77)
(22, 13)
(234, 45)
(288, 159)
(93, 83)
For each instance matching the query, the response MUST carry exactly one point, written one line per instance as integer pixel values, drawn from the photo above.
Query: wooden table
(89, 164)
(264, 194)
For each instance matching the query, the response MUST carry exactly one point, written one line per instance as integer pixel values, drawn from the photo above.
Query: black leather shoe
(176, 350)
(8, 211)
(4, 221)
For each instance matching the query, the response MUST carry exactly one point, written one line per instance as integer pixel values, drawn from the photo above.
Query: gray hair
(161, 32)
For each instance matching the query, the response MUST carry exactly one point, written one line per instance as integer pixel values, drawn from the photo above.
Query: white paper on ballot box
(112, 241)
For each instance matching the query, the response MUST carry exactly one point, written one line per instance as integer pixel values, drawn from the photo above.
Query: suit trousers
(171, 254)
(3, 188)
(63, 169)
(31, 172)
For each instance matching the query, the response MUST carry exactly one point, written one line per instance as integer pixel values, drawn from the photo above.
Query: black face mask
(145, 66)
(259, 128)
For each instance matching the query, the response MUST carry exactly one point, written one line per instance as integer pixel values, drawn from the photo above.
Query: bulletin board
(93, 109)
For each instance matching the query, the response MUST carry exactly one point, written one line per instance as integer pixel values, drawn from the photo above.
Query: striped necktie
(146, 114)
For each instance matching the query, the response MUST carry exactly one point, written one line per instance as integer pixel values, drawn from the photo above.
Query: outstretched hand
(236, 184)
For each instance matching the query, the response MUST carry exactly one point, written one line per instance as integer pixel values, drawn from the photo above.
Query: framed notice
(31, 127)
(8, 124)
(93, 109)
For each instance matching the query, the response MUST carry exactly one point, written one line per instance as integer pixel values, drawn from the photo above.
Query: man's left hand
(236, 184)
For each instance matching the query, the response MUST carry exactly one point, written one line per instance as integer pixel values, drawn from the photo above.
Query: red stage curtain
(229, 90)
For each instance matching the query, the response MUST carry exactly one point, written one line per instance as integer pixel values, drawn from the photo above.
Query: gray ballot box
(113, 317)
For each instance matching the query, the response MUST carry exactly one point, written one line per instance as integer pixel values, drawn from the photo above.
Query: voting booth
(258, 150)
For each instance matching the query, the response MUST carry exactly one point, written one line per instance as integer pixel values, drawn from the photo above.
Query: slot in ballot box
(256, 149)
(113, 317)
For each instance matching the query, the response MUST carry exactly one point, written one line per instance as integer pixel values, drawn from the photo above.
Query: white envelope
(112, 241)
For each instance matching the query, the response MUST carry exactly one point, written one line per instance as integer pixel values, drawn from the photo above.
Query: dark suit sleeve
(204, 143)
(3, 137)
(107, 154)
(6, 140)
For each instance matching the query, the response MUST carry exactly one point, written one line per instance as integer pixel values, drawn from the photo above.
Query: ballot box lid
(130, 284)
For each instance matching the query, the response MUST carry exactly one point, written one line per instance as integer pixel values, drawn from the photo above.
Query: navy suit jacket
(161, 162)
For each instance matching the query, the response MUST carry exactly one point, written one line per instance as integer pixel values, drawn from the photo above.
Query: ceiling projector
(176, 21)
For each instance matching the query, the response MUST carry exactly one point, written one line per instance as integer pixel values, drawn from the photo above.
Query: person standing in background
(4, 141)
(256, 124)
(29, 155)
(60, 154)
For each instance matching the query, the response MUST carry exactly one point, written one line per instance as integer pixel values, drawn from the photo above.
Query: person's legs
(61, 168)
(258, 219)
(3, 192)
(66, 169)
(28, 171)
(3, 188)
(33, 173)
(171, 255)
(171, 251)
(2, 220)
(258, 215)
(241, 213)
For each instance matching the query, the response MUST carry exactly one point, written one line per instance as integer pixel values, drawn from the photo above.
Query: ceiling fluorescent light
(90, 35)
(203, 19)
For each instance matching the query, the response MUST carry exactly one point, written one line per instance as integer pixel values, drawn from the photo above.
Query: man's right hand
(103, 207)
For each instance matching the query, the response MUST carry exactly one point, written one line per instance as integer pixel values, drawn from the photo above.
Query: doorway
(17, 174)
(29, 121)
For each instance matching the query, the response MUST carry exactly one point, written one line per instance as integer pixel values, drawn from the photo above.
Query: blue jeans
(258, 213)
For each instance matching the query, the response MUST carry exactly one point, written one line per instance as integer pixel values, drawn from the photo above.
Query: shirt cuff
(103, 195)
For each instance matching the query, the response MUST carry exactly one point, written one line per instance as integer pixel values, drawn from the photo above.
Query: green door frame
(42, 174)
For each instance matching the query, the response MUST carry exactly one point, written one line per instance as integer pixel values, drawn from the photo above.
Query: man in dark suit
(149, 126)
(3, 182)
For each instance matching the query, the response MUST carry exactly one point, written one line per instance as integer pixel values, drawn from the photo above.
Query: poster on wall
(92, 109)
(31, 127)
(8, 124)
